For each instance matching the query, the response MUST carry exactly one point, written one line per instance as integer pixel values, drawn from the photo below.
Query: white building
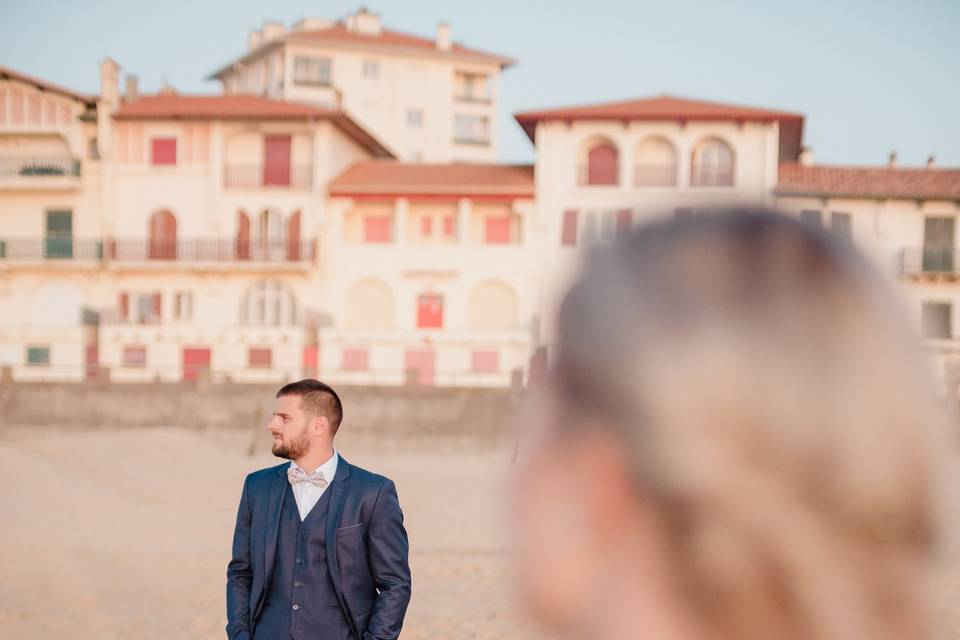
(430, 100)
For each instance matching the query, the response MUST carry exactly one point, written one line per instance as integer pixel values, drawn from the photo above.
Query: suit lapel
(339, 488)
(278, 486)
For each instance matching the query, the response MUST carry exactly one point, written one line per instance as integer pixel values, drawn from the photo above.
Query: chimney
(443, 36)
(806, 156)
(254, 40)
(110, 83)
(931, 161)
(892, 161)
(364, 21)
(132, 91)
(312, 24)
(271, 30)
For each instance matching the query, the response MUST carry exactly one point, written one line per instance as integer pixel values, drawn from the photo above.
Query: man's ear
(319, 424)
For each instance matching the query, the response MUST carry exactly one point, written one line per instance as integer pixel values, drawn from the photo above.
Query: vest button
(296, 607)
(299, 560)
(297, 583)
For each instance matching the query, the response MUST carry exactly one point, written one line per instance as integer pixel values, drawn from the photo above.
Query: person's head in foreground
(735, 442)
(305, 420)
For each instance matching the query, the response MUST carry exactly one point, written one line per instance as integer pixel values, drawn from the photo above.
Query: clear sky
(870, 75)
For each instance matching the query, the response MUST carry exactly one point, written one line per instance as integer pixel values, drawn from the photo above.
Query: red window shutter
(293, 237)
(497, 230)
(356, 359)
(259, 357)
(624, 221)
(449, 226)
(163, 151)
(429, 311)
(276, 160)
(485, 360)
(568, 236)
(311, 356)
(243, 235)
(426, 226)
(376, 229)
(124, 306)
(603, 165)
(158, 306)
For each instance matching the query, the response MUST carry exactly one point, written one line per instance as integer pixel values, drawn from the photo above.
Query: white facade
(429, 101)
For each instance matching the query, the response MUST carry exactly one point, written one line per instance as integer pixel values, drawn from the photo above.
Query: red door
(602, 166)
(423, 363)
(276, 160)
(163, 236)
(92, 360)
(195, 359)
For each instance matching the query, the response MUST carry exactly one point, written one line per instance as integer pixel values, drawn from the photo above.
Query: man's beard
(295, 449)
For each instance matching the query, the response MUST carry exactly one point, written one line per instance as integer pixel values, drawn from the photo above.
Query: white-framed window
(269, 303)
(371, 69)
(841, 223)
(148, 308)
(310, 70)
(813, 217)
(134, 356)
(471, 129)
(415, 118)
(936, 320)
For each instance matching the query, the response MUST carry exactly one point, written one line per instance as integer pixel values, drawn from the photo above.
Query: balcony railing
(598, 178)
(251, 176)
(479, 141)
(39, 166)
(655, 175)
(50, 248)
(931, 261)
(711, 175)
(472, 98)
(210, 250)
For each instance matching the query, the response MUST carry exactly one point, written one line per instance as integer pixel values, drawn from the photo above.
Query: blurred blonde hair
(778, 417)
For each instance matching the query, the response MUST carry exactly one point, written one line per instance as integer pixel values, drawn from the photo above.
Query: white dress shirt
(306, 493)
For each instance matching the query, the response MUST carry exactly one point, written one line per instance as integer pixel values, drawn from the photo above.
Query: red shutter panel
(603, 165)
(497, 230)
(276, 160)
(293, 237)
(624, 221)
(243, 235)
(568, 236)
(157, 307)
(429, 312)
(124, 306)
(163, 151)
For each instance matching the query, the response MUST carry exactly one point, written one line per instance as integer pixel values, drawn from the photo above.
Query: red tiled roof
(215, 107)
(338, 33)
(869, 182)
(43, 85)
(456, 179)
(243, 107)
(664, 107)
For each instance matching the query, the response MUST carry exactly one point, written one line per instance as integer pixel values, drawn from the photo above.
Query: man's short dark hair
(316, 399)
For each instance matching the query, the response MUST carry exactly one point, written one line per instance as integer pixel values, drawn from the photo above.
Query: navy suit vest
(301, 602)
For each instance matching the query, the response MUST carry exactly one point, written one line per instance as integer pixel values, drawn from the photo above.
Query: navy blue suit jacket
(366, 547)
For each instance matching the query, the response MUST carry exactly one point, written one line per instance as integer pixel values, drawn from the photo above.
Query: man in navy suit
(319, 549)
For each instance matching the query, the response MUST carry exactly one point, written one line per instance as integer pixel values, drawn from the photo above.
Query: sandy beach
(126, 533)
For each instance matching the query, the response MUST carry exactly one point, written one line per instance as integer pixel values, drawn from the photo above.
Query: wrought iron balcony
(655, 175)
(39, 166)
(931, 262)
(711, 175)
(210, 250)
(50, 248)
(255, 176)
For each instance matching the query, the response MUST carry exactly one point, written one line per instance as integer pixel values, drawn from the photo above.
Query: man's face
(291, 439)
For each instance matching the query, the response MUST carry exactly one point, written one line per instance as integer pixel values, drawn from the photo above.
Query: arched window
(655, 164)
(712, 164)
(600, 164)
(493, 306)
(163, 236)
(268, 241)
(268, 303)
(368, 305)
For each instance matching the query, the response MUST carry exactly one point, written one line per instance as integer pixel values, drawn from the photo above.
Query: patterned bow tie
(297, 475)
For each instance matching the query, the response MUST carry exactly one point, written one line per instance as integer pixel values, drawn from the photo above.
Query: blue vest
(301, 603)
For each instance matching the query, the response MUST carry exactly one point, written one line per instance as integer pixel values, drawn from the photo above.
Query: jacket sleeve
(388, 551)
(239, 573)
